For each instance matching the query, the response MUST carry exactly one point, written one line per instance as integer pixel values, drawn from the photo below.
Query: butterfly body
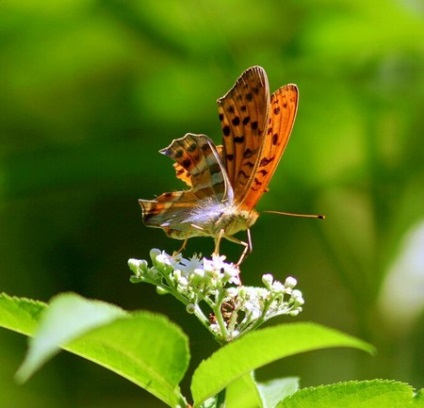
(210, 218)
(226, 182)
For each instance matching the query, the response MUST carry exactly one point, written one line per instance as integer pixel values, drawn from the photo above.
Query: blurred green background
(91, 90)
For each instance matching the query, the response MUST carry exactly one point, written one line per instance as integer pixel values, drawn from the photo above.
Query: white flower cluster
(234, 308)
(193, 278)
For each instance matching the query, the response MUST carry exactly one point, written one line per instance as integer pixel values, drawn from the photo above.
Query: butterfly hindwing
(197, 158)
(199, 165)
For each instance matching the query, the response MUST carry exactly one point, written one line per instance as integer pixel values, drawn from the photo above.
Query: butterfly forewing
(282, 113)
(243, 112)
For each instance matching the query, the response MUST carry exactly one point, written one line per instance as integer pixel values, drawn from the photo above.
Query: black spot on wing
(265, 161)
(147, 216)
(247, 153)
(192, 147)
(215, 168)
(242, 173)
(257, 182)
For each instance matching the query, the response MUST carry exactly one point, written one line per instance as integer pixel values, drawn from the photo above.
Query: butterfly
(226, 182)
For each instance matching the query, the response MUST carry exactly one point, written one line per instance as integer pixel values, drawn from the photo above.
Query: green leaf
(276, 390)
(143, 347)
(243, 393)
(259, 348)
(247, 393)
(68, 317)
(355, 394)
(20, 314)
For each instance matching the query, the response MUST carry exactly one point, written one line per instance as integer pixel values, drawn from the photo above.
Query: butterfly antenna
(319, 216)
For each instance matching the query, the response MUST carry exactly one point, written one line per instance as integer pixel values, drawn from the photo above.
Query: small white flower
(200, 272)
(297, 294)
(188, 265)
(134, 265)
(232, 292)
(164, 259)
(300, 301)
(214, 327)
(235, 334)
(253, 302)
(232, 274)
(278, 287)
(182, 281)
(176, 274)
(267, 280)
(154, 253)
(290, 282)
(218, 261)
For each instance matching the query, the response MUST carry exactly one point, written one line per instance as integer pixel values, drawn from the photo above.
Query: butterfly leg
(218, 241)
(182, 247)
(185, 241)
(247, 246)
(246, 251)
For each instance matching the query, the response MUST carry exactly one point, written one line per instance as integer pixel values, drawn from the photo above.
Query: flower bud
(267, 280)
(290, 282)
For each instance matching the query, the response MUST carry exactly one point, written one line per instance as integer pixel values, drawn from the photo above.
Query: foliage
(149, 350)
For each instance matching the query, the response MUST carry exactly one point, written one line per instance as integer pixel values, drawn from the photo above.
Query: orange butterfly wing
(281, 119)
(256, 130)
(243, 113)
